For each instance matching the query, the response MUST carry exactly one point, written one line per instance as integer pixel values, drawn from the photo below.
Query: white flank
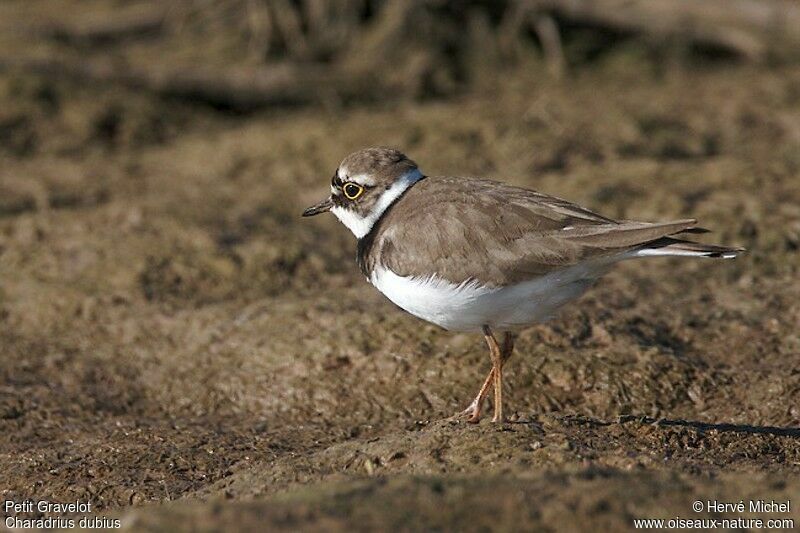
(469, 306)
(359, 225)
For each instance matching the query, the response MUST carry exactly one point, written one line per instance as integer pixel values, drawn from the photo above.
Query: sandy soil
(170, 329)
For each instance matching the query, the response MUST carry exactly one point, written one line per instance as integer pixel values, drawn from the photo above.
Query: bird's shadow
(702, 426)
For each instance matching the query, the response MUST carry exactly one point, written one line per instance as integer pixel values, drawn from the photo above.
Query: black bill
(316, 209)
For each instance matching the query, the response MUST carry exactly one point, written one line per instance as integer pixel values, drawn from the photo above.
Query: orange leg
(505, 351)
(474, 409)
(497, 366)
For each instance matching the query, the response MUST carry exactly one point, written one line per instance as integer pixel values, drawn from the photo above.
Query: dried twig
(547, 31)
(234, 87)
(753, 29)
(107, 27)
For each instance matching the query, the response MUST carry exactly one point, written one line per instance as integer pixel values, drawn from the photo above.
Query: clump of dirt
(172, 330)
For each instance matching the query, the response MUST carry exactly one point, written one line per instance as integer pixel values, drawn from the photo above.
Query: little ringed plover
(476, 255)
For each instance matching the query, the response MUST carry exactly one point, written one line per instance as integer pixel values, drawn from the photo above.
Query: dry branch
(234, 87)
(104, 27)
(754, 29)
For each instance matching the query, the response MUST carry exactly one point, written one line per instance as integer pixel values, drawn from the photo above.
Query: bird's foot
(471, 414)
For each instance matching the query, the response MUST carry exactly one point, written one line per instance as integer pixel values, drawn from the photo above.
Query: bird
(476, 255)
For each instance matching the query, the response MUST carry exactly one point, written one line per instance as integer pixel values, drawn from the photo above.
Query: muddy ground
(182, 350)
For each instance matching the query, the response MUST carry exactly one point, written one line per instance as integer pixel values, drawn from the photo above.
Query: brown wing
(470, 229)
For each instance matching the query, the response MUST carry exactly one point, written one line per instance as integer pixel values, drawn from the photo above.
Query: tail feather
(678, 247)
(695, 229)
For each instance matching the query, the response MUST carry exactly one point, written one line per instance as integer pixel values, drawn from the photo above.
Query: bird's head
(364, 185)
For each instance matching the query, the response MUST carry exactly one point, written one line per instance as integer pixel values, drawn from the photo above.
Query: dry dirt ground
(181, 349)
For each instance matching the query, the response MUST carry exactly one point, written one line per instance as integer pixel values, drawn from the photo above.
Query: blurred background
(172, 330)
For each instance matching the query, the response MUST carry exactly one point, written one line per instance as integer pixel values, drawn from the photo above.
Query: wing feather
(465, 229)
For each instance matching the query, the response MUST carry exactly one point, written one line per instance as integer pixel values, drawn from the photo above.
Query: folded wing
(466, 229)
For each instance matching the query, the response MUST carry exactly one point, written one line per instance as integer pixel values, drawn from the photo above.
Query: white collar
(359, 225)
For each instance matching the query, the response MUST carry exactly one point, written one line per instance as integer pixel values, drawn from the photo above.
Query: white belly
(469, 306)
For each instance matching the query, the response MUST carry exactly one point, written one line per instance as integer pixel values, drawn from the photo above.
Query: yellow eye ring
(352, 190)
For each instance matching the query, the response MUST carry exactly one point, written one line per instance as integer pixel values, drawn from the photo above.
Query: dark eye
(352, 190)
